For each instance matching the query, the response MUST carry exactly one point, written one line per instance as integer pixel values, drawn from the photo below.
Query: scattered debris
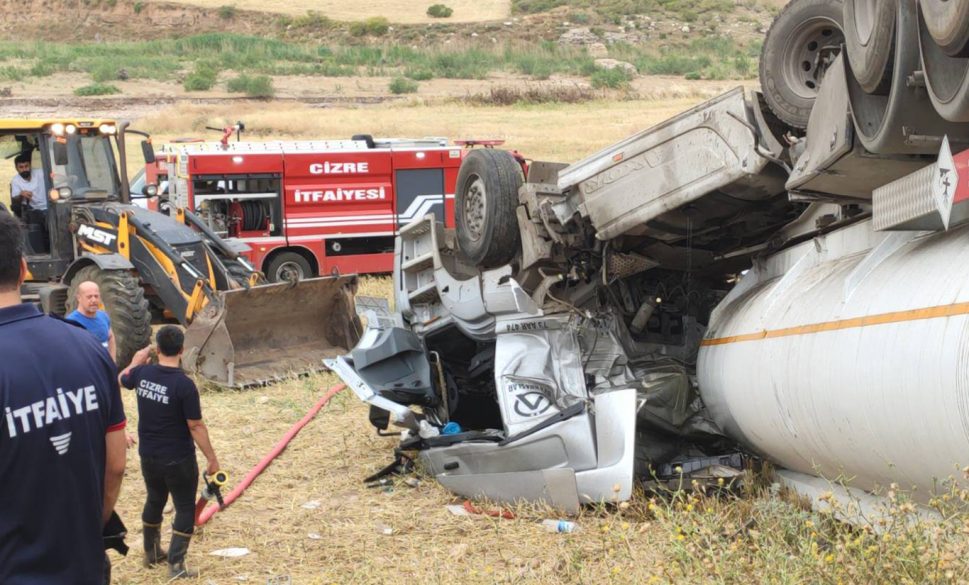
(495, 513)
(230, 553)
(311, 505)
(564, 526)
(383, 529)
(314, 536)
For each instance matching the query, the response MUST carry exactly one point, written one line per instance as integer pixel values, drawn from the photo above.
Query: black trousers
(178, 477)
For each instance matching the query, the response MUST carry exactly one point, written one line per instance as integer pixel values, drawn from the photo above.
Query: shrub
(258, 86)
(138, 7)
(616, 78)
(419, 74)
(439, 11)
(202, 78)
(376, 26)
(401, 85)
(227, 12)
(96, 89)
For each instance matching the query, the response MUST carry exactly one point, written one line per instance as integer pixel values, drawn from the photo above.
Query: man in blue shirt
(169, 425)
(62, 449)
(89, 315)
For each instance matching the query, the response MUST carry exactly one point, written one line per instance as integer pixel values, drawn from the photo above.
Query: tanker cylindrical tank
(848, 357)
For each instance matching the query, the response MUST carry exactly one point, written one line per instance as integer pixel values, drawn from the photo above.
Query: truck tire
(288, 266)
(946, 78)
(947, 21)
(484, 207)
(869, 29)
(125, 302)
(803, 40)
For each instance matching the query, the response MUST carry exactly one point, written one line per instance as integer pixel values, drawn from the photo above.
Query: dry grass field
(403, 11)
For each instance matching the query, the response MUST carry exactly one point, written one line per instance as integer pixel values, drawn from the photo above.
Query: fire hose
(204, 514)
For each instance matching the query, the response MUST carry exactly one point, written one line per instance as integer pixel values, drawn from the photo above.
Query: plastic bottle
(559, 525)
(452, 428)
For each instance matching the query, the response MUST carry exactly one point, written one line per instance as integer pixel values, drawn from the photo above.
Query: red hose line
(254, 473)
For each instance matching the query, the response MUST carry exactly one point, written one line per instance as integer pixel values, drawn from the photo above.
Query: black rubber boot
(176, 557)
(154, 553)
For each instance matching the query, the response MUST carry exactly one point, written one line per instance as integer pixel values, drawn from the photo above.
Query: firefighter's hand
(213, 466)
(26, 195)
(141, 356)
(130, 440)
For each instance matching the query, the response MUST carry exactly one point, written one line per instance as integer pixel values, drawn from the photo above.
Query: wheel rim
(864, 19)
(289, 271)
(475, 203)
(809, 52)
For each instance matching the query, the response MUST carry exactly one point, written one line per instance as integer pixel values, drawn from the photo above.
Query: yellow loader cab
(148, 264)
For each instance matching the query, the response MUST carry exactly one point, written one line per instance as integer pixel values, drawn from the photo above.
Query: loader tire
(869, 28)
(484, 207)
(125, 302)
(799, 46)
(948, 23)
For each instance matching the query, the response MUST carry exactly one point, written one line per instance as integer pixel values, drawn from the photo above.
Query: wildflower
(829, 558)
(809, 524)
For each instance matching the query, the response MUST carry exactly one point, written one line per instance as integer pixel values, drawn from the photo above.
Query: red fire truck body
(314, 207)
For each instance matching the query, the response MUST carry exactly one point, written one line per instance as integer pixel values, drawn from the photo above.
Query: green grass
(615, 10)
(168, 59)
(258, 86)
(401, 85)
(96, 89)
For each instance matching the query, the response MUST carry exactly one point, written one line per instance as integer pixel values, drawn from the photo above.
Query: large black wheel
(125, 302)
(484, 207)
(288, 266)
(947, 21)
(946, 77)
(802, 42)
(869, 29)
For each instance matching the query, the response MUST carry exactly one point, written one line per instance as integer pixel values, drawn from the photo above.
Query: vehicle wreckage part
(947, 21)
(250, 477)
(486, 195)
(852, 377)
(834, 164)
(869, 29)
(904, 121)
(946, 76)
(714, 146)
(801, 42)
(241, 338)
(584, 459)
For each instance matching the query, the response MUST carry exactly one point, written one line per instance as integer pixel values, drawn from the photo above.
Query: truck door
(419, 192)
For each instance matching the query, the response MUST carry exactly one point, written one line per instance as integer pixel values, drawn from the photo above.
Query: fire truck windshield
(89, 169)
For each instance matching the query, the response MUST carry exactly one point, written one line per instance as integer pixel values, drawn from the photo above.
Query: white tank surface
(848, 357)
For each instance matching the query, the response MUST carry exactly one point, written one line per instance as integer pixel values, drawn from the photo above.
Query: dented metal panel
(665, 167)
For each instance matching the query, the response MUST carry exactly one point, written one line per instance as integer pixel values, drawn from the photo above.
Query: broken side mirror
(147, 151)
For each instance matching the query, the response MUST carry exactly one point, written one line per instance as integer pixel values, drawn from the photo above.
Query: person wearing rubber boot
(169, 425)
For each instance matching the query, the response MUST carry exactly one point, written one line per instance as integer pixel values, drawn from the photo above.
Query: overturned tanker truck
(782, 271)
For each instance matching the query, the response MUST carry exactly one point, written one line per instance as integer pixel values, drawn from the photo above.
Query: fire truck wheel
(124, 301)
(484, 207)
(288, 266)
(800, 45)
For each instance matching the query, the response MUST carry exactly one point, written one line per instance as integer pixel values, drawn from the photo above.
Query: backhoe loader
(153, 267)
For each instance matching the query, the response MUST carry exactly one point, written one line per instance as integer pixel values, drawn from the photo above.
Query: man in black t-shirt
(169, 420)
(62, 445)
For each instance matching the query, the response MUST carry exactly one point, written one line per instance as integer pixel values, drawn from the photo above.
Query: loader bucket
(265, 333)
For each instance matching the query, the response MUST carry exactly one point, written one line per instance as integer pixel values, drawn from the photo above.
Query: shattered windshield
(89, 167)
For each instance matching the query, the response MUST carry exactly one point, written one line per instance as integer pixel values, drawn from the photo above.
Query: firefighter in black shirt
(169, 426)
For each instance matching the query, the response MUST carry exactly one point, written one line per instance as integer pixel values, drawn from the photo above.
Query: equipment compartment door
(419, 192)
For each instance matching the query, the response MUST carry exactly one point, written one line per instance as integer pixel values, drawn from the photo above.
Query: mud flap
(265, 333)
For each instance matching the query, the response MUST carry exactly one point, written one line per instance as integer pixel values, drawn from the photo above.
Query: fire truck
(309, 208)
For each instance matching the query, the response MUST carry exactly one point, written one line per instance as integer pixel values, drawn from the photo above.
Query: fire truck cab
(311, 208)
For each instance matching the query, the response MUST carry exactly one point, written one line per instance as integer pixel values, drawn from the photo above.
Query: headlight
(150, 190)
(57, 129)
(70, 128)
(107, 129)
(65, 192)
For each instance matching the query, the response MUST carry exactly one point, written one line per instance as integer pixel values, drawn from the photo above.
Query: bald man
(89, 315)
